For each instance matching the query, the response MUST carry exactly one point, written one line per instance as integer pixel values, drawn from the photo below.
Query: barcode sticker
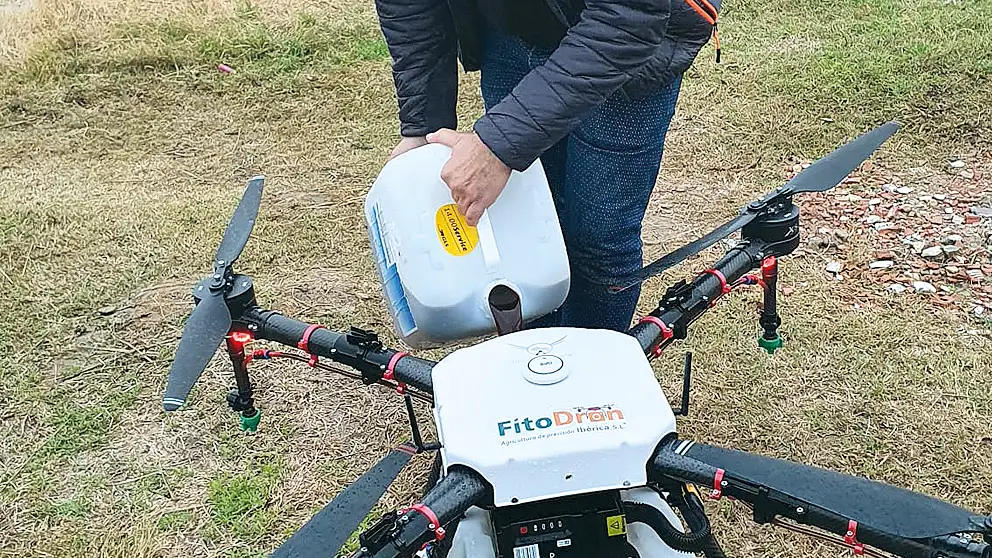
(526, 552)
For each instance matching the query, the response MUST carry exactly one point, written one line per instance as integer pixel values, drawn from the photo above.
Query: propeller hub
(239, 295)
(222, 274)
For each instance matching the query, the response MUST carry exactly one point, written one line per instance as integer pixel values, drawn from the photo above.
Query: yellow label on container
(457, 237)
(616, 525)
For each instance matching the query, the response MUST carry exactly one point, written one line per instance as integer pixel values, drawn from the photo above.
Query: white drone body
(553, 412)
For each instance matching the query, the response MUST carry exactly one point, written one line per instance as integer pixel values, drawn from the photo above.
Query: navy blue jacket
(634, 45)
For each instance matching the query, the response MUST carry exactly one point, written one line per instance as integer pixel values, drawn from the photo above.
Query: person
(588, 87)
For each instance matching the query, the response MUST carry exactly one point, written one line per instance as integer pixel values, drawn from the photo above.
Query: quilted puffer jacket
(633, 45)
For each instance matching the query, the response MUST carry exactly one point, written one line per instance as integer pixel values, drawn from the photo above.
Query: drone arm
(399, 535)
(684, 304)
(358, 349)
(864, 512)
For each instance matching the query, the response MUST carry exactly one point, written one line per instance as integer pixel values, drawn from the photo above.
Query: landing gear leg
(770, 321)
(241, 399)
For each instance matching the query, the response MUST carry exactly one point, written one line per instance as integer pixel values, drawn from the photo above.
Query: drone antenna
(683, 411)
(418, 441)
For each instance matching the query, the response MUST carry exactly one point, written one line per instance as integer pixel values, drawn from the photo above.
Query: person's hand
(476, 176)
(406, 144)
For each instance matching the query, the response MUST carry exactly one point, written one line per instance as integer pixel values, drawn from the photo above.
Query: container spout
(504, 303)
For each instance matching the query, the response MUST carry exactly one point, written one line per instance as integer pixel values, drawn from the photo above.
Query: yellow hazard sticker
(616, 525)
(457, 237)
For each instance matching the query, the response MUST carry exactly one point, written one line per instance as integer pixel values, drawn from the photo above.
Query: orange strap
(710, 14)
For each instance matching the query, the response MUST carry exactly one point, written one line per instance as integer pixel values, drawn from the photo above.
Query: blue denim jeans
(601, 178)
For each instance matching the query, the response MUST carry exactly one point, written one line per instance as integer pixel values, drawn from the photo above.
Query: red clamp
(717, 485)
(769, 267)
(389, 375)
(666, 333)
(851, 538)
(435, 525)
(304, 343)
(724, 286)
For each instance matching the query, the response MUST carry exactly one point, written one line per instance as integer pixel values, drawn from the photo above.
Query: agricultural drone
(559, 442)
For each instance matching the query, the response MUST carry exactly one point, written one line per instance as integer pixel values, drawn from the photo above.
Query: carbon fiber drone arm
(360, 350)
(685, 303)
(401, 534)
(865, 512)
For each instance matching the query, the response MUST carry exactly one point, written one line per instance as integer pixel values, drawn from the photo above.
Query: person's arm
(612, 40)
(420, 35)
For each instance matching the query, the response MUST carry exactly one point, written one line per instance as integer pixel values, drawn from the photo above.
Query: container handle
(487, 241)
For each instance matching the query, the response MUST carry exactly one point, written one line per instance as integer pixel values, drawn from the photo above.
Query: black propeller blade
(204, 331)
(832, 169)
(689, 250)
(332, 526)
(821, 176)
(242, 222)
(210, 320)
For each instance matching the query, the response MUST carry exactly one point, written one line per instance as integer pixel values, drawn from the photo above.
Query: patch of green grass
(18, 379)
(370, 49)
(153, 484)
(353, 543)
(174, 522)
(76, 428)
(143, 493)
(36, 479)
(857, 63)
(63, 56)
(253, 47)
(76, 507)
(239, 502)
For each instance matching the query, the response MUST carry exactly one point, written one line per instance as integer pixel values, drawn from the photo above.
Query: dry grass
(123, 151)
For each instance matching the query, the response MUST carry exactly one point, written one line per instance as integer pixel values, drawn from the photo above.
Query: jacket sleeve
(611, 41)
(421, 39)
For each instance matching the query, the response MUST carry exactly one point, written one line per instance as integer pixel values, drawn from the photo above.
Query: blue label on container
(392, 287)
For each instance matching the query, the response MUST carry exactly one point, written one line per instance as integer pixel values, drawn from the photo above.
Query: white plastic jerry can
(437, 272)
